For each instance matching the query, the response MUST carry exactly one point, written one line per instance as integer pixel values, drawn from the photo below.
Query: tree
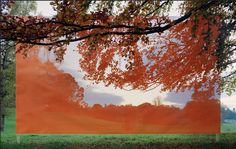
(157, 101)
(7, 60)
(23, 8)
(227, 114)
(107, 31)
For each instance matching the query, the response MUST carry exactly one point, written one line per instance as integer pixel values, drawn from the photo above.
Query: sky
(98, 93)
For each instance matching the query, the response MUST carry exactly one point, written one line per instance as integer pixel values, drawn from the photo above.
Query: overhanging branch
(76, 28)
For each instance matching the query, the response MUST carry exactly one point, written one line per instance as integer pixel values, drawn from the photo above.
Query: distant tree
(97, 106)
(145, 105)
(157, 101)
(9, 86)
(7, 54)
(227, 114)
(23, 8)
(7, 60)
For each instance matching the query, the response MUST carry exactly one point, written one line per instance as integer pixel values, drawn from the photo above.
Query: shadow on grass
(118, 145)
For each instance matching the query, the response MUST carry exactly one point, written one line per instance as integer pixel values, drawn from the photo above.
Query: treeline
(227, 114)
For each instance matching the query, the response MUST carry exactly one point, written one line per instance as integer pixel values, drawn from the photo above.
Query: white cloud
(45, 9)
(229, 101)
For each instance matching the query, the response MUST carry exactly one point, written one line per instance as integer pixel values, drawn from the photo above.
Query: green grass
(228, 128)
(8, 139)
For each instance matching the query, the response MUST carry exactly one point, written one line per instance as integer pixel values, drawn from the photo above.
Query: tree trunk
(217, 137)
(2, 111)
(2, 64)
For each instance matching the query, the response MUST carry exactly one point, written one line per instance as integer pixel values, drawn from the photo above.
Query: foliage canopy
(179, 53)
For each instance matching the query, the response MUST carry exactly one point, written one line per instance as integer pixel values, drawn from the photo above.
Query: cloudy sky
(109, 95)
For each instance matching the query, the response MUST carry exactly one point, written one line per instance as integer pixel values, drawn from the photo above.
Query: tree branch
(230, 62)
(232, 73)
(77, 28)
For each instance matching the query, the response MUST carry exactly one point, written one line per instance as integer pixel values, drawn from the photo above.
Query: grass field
(8, 139)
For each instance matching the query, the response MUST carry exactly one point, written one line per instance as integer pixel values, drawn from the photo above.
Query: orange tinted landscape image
(50, 101)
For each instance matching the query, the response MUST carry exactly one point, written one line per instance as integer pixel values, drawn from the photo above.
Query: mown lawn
(8, 139)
